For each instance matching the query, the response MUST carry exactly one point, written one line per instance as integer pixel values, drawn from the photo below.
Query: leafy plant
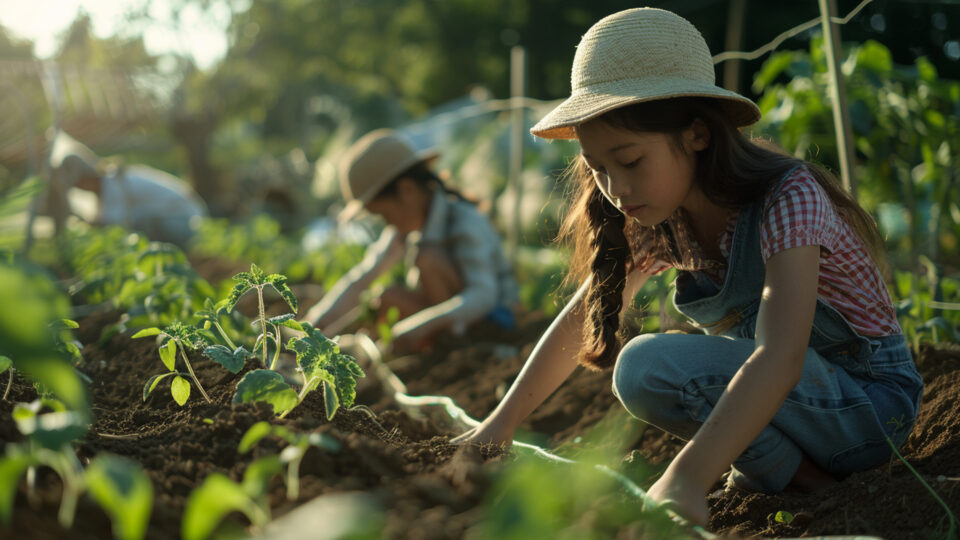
(177, 336)
(319, 361)
(25, 337)
(292, 455)
(119, 485)
(257, 280)
(209, 503)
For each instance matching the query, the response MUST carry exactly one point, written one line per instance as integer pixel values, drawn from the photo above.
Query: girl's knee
(638, 372)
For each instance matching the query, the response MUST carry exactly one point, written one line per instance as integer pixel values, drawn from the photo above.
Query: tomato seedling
(118, 484)
(292, 455)
(177, 336)
(319, 361)
(257, 280)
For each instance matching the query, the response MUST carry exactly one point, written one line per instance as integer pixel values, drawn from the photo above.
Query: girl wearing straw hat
(459, 274)
(803, 371)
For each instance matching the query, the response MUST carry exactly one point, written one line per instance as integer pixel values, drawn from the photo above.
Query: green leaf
(232, 360)
(153, 382)
(5, 363)
(926, 70)
(146, 332)
(772, 67)
(208, 504)
(124, 491)
(257, 274)
(64, 324)
(330, 400)
(180, 390)
(266, 386)
(280, 319)
(51, 430)
(875, 57)
(279, 282)
(324, 441)
(346, 371)
(11, 469)
(253, 435)
(782, 516)
(257, 475)
(293, 324)
(238, 291)
(168, 354)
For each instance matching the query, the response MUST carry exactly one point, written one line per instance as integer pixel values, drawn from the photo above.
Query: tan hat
(371, 163)
(637, 55)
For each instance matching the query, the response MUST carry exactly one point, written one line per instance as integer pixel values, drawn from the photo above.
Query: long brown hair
(733, 171)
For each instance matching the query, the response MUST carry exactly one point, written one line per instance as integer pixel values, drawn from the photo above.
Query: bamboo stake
(735, 18)
(517, 68)
(841, 114)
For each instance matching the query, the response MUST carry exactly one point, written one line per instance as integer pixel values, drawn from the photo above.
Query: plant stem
(9, 384)
(293, 479)
(194, 375)
(951, 533)
(263, 323)
(276, 354)
(68, 506)
(223, 333)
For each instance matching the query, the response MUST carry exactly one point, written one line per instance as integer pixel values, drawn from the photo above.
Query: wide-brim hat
(634, 56)
(371, 163)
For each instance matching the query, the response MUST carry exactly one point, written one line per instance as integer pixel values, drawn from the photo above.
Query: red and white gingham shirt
(801, 214)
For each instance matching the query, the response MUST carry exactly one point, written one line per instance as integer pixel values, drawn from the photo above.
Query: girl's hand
(487, 432)
(681, 496)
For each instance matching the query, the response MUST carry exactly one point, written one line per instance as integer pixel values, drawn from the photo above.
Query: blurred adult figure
(141, 198)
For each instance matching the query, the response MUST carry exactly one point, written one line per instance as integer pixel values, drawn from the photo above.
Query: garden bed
(428, 488)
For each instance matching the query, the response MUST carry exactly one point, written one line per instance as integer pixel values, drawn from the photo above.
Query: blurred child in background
(458, 273)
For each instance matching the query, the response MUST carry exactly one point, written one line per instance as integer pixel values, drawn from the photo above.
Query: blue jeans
(838, 419)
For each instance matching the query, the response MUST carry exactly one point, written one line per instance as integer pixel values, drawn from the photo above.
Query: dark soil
(432, 489)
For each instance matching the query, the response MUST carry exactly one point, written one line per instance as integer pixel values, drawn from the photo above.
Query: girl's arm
(757, 390)
(553, 360)
(345, 293)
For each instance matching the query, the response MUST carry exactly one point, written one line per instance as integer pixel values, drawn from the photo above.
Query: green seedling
(782, 516)
(118, 484)
(292, 455)
(319, 361)
(951, 519)
(63, 344)
(177, 336)
(208, 504)
(257, 280)
(6, 364)
(124, 491)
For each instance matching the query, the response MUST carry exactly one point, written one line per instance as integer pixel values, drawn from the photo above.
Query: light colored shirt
(151, 201)
(468, 237)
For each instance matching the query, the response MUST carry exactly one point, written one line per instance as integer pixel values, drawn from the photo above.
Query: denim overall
(855, 390)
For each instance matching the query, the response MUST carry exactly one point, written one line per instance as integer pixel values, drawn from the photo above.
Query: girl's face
(406, 209)
(643, 174)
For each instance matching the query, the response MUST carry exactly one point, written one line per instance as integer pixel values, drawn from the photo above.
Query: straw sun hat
(639, 55)
(371, 163)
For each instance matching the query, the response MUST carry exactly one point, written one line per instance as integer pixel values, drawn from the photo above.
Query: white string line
(739, 55)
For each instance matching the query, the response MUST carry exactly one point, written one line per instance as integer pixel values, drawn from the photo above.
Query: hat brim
(355, 206)
(594, 101)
